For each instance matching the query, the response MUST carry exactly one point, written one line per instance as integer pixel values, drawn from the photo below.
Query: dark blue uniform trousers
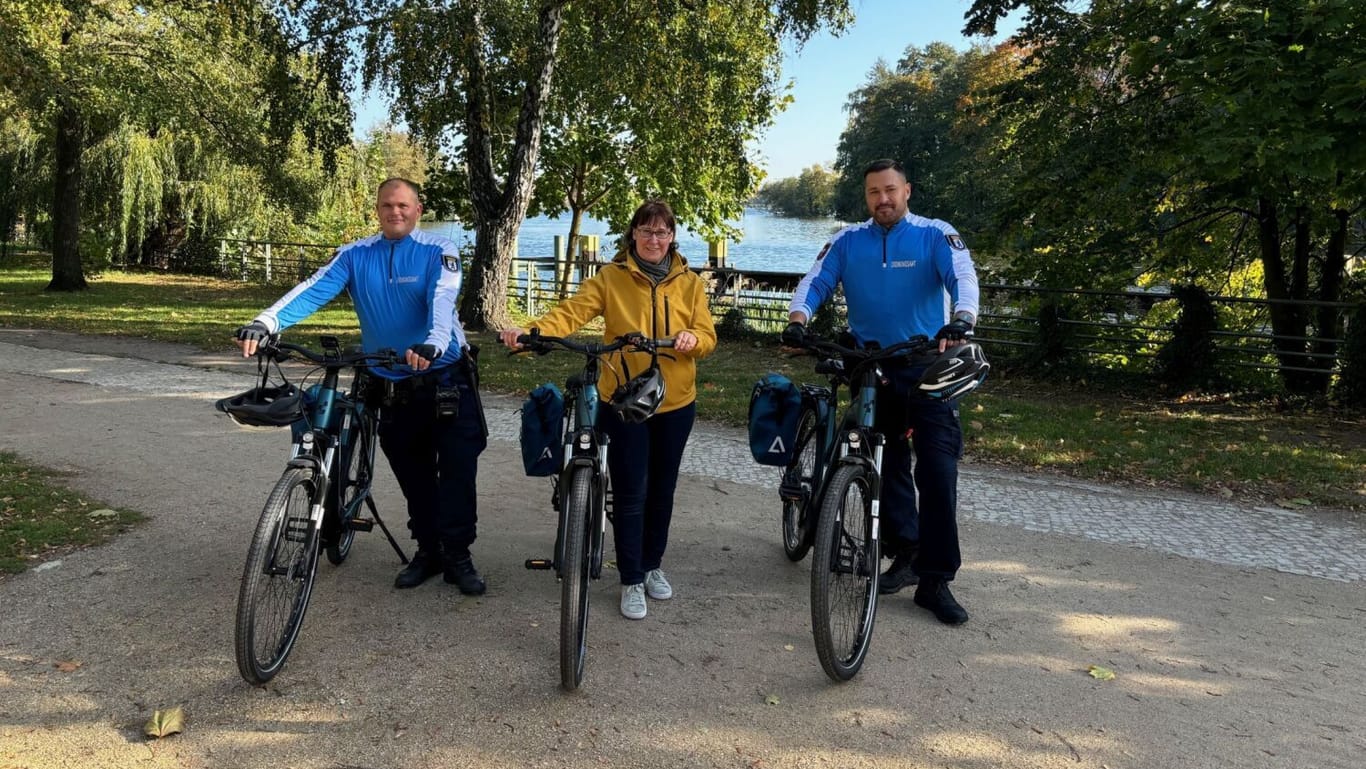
(937, 436)
(435, 461)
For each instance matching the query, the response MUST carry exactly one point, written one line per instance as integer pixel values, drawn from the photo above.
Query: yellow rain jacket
(629, 301)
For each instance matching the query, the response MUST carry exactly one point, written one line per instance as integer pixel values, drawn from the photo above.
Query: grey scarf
(656, 272)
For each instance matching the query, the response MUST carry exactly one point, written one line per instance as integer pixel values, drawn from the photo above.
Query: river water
(770, 243)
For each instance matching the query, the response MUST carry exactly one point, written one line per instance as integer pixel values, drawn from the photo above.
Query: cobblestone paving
(1186, 525)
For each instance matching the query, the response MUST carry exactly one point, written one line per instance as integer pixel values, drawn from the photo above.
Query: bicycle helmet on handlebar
(638, 399)
(955, 373)
(265, 406)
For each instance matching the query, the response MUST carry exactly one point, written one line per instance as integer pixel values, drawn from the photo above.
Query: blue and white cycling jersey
(404, 292)
(898, 282)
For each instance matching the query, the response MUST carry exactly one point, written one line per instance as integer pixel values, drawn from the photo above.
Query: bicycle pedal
(791, 493)
(361, 524)
(296, 529)
(540, 564)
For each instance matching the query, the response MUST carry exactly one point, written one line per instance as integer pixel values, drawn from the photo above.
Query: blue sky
(823, 73)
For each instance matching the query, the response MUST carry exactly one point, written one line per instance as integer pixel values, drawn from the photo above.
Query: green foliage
(165, 116)
(812, 194)
(1186, 139)
(656, 99)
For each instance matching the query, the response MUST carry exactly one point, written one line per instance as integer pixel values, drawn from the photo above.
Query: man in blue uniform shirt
(905, 275)
(404, 283)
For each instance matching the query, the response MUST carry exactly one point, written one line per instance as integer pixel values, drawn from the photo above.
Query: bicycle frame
(584, 446)
(333, 426)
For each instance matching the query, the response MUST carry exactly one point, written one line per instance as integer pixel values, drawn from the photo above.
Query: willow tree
(110, 80)
(475, 80)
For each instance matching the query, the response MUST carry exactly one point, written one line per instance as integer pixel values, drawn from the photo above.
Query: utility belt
(442, 387)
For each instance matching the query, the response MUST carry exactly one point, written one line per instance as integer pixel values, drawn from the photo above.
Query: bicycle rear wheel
(799, 488)
(574, 579)
(350, 495)
(278, 578)
(844, 574)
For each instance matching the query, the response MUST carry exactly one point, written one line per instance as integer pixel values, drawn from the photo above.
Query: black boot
(933, 594)
(425, 565)
(460, 571)
(900, 574)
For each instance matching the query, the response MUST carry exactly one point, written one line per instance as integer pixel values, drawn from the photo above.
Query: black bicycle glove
(254, 331)
(957, 330)
(428, 352)
(794, 335)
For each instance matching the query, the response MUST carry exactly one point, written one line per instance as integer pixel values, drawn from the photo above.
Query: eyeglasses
(653, 234)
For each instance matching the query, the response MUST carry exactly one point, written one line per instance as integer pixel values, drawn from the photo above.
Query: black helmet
(955, 373)
(265, 406)
(638, 399)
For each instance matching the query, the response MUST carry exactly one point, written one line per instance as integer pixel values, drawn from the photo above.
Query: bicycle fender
(307, 461)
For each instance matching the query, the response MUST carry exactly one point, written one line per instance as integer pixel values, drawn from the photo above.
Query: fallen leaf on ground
(164, 723)
(1100, 673)
(67, 666)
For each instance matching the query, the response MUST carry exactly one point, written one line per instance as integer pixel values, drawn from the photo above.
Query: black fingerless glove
(957, 330)
(794, 335)
(254, 331)
(428, 352)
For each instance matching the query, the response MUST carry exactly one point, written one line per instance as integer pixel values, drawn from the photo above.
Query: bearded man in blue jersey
(904, 275)
(404, 283)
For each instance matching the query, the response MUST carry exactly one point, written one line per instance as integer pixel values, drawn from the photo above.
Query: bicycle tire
(574, 580)
(349, 488)
(277, 581)
(844, 574)
(798, 532)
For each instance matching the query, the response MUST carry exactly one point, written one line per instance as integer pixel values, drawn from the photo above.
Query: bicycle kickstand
(370, 503)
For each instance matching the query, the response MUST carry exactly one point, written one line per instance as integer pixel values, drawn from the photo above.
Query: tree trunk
(1329, 321)
(1288, 321)
(484, 303)
(67, 274)
(500, 204)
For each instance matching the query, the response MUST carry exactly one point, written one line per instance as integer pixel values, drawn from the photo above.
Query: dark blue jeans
(435, 460)
(643, 459)
(932, 518)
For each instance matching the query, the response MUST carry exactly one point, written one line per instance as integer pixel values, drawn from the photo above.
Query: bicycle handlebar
(278, 350)
(541, 344)
(916, 345)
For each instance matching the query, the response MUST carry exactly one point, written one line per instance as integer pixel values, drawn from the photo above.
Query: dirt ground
(1215, 666)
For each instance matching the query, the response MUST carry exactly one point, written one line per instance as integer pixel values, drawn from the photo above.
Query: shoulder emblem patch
(451, 262)
(955, 242)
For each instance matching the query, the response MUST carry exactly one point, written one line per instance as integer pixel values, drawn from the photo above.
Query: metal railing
(1118, 330)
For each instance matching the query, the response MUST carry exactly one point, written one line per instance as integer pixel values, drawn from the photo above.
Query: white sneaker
(633, 601)
(657, 586)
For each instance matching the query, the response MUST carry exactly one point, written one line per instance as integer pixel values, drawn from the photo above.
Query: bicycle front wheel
(278, 579)
(799, 488)
(844, 574)
(574, 579)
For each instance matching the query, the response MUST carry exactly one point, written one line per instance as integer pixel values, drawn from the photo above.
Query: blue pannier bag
(774, 408)
(542, 423)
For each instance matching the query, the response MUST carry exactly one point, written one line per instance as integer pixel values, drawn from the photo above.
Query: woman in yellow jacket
(647, 288)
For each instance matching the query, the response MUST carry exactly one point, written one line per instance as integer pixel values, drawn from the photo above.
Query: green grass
(1251, 452)
(40, 518)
